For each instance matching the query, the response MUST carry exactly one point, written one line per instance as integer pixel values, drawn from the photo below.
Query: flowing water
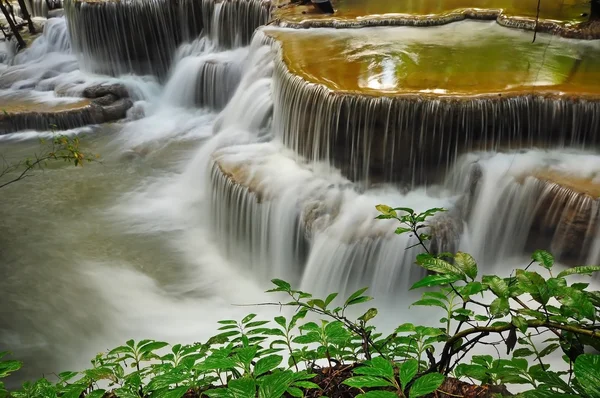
(196, 204)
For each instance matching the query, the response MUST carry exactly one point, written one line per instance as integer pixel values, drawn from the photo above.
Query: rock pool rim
(581, 30)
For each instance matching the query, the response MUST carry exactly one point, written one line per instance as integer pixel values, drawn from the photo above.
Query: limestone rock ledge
(397, 105)
(567, 217)
(102, 103)
(568, 20)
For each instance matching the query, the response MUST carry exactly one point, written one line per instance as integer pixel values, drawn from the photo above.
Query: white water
(155, 242)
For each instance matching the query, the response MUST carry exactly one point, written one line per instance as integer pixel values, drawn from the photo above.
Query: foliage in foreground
(330, 354)
(60, 148)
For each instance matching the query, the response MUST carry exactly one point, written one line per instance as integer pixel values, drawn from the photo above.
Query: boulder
(101, 90)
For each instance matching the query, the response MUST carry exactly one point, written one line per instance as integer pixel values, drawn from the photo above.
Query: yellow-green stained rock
(362, 10)
(462, 59)
(19, 106)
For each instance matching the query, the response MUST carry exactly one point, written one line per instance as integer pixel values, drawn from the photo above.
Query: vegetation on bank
(319, 351)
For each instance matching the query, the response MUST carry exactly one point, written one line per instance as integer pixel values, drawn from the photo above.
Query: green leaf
(543, 258)
(355, 295)
(405, 327)
(500, 307)
(408, 370)
(586, 270)
(359, 300)
(378, 394)
(426, 384)
(8, 367)
(73, 391)
(383, 365)
(367, 382)
(176, 392)
(402, 230)
(386, 210)
(247, 354)
(472, 288)
(367, 316)
(307, 385)
(534, 284)
(436, 280)
(477, 372)
(282, 285)
(96, 394)
(520, 323)
(266, 364)
(587, 371)
(430, 303)
(242, 388)
(330, 298)
(275, 385)
(218, 393)
(212, 363)
(434, 264)
(281, 321)
(466, 263)
(248, 318)
(549, 350)
(309, 338)
(522, 352)
(153, 346)
(497, 285)
(295, 392)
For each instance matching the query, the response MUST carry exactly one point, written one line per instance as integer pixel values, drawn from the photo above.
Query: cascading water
(136, 36)
(192, 210)
(527, 191)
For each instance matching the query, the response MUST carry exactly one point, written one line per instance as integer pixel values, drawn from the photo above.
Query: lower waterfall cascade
(237, 160)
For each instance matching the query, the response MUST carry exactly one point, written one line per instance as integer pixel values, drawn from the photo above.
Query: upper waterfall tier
(400, 103)
(397, 61)
(141, 36)
(558, 17)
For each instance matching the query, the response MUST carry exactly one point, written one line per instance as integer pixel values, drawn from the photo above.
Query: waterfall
(135, 36)
(206, 80)
(233, 22)
(412, 135)
(519, 202)
(54, 39)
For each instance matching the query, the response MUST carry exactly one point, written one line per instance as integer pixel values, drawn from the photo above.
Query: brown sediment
(558, 18)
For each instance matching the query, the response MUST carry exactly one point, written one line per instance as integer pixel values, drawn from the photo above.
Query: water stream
(196, 204)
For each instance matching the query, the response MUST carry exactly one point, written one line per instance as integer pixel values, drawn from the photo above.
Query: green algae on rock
(459, 60)
(554, 16)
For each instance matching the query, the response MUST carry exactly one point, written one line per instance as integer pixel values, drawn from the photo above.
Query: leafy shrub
(337, 355)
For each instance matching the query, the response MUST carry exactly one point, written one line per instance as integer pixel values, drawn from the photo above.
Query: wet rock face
(566, 221)
(101, 90)
(102, 103)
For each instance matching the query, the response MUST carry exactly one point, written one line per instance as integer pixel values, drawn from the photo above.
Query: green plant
(59, 148)
(337, 355)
